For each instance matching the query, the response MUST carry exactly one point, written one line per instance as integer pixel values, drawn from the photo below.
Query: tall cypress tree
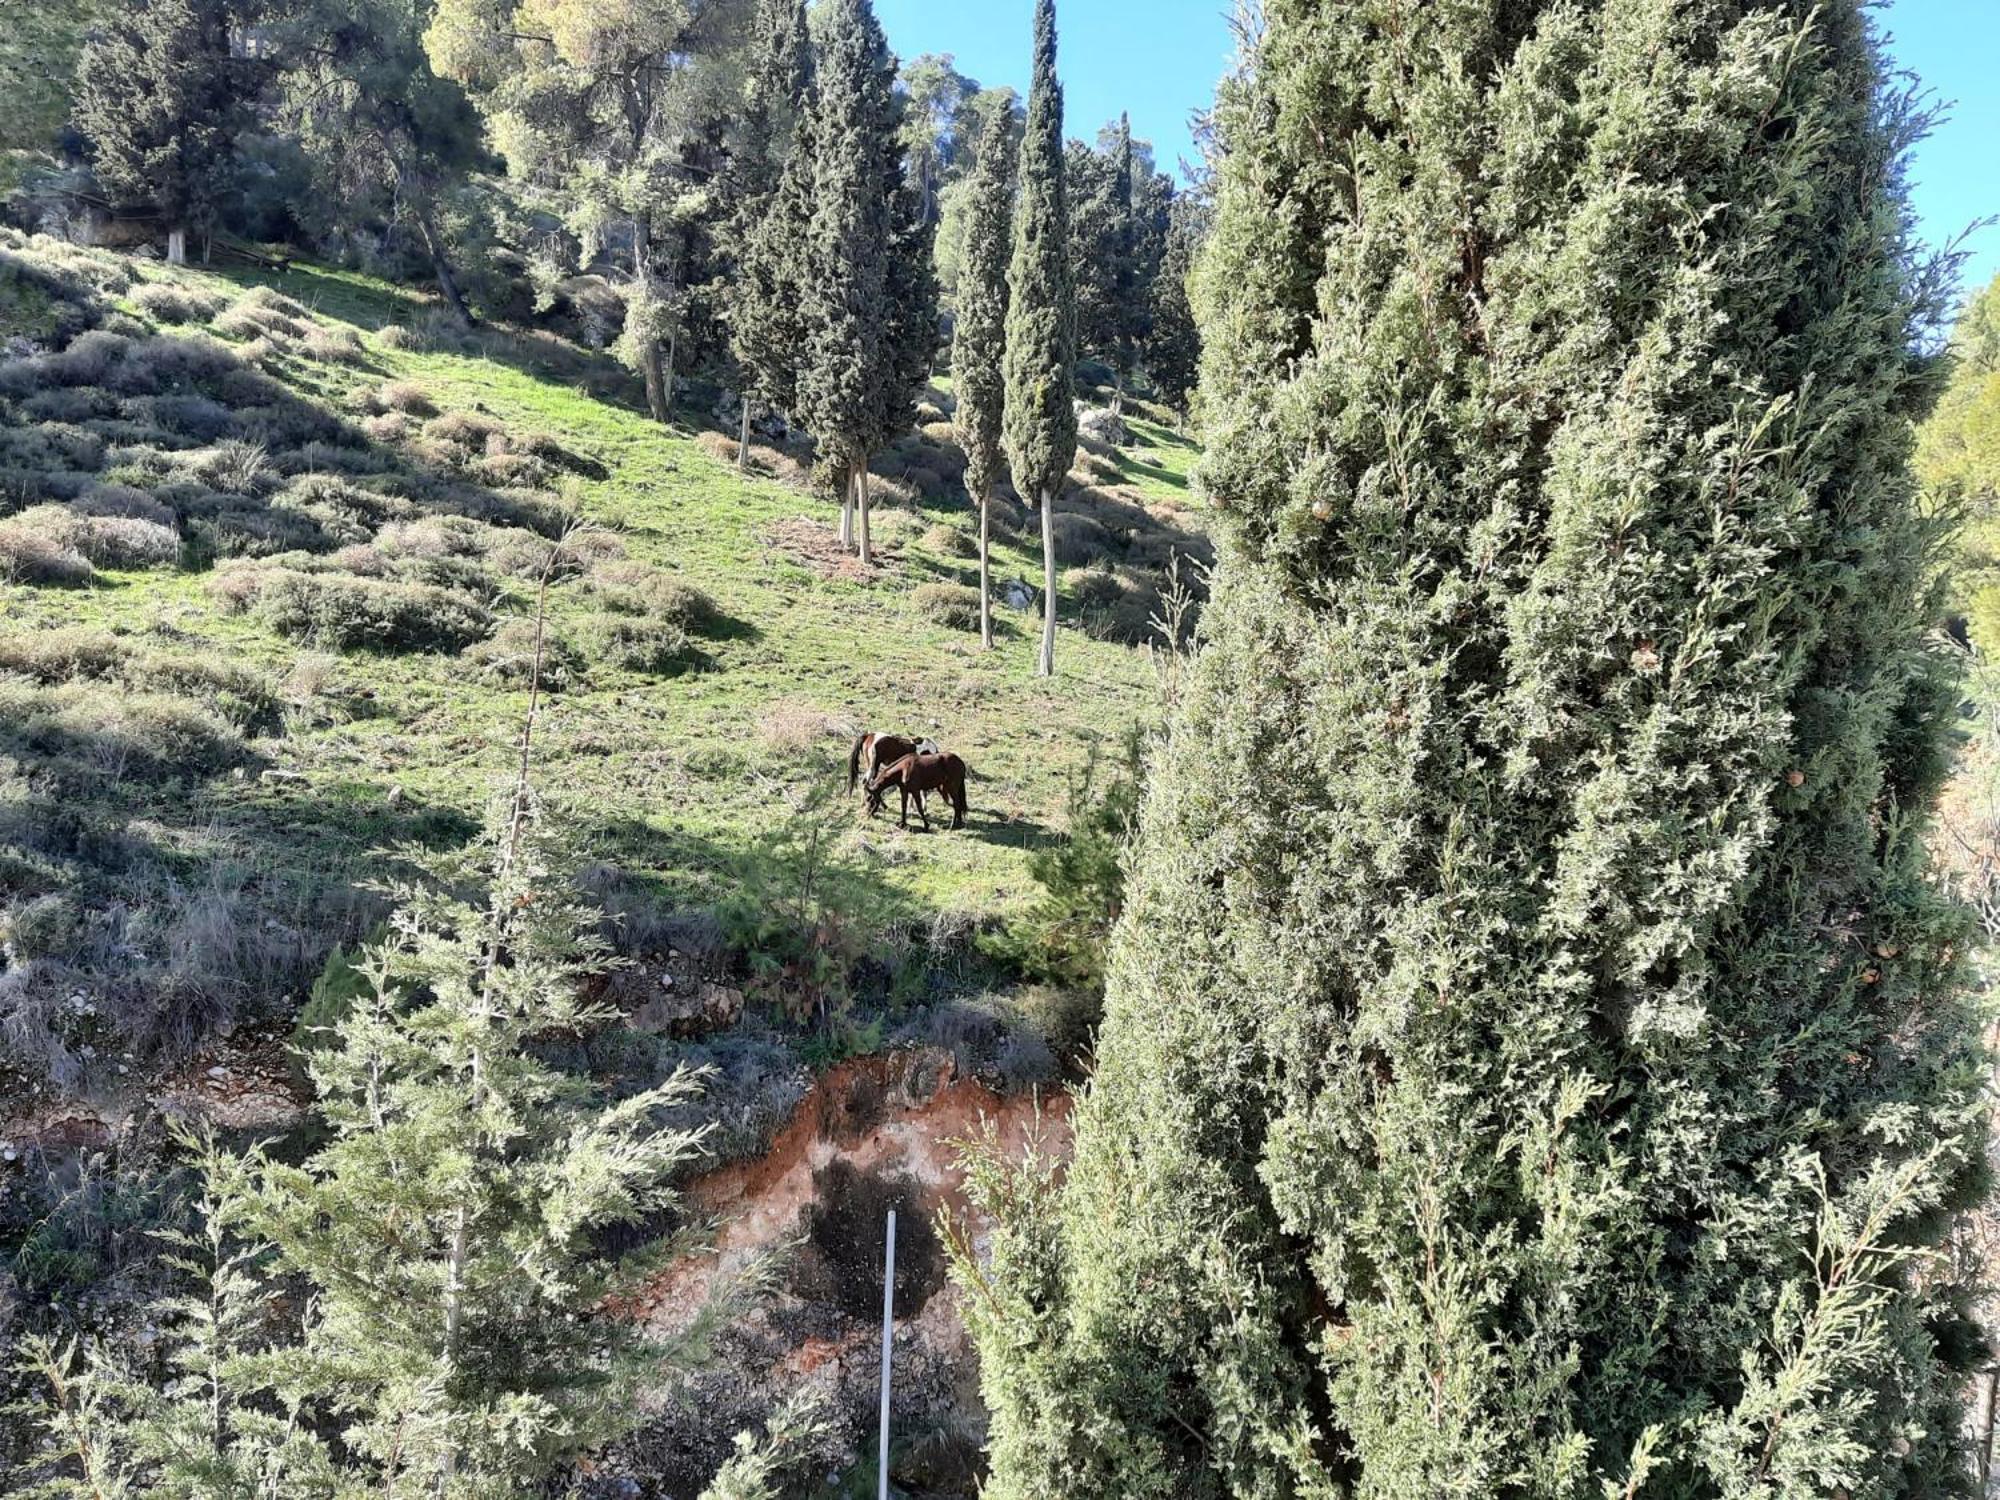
(979, 339)
(1172, 341)
(770, 206)
(1128, 286)
(869, 308)
(162, 100)
(1040, 422)
(1535, 1061)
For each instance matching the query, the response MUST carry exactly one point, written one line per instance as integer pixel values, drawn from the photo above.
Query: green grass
(673, 778)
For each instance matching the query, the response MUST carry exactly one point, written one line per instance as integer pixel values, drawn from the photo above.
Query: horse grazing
(916, 774)
(872, 752)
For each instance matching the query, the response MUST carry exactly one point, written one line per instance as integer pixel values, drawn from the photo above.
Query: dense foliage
(1040, 412)
(1535, 1060)
(978, 342)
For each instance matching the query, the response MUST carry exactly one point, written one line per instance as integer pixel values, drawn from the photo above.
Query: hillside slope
(269, 546)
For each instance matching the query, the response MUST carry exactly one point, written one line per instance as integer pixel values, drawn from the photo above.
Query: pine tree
(162, 101)
(979, 340)
(1536, 1060)
(452, 1228)
(1040, 423)
(770, 201)
(869, 297)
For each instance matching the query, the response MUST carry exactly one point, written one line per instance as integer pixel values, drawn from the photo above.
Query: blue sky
(1160, 60)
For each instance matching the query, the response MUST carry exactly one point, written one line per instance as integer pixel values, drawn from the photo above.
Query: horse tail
(854, 763)
(958, 788)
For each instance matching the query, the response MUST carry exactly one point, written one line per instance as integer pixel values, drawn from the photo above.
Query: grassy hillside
(268, 549)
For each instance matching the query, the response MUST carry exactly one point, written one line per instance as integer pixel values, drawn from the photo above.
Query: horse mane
(854, 761)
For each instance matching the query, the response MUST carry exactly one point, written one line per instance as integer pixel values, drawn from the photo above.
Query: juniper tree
(1535, 1061)
(770, 201)
(453, 1230)
(1040, 420)
(868, 296)
(978, 340)
(1128, 281)
(221, 1419)
(162, 100)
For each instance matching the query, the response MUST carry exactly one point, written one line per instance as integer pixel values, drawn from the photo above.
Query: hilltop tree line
(768, 196)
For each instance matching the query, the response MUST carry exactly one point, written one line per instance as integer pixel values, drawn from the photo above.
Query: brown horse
(914, 775)
(872, 752)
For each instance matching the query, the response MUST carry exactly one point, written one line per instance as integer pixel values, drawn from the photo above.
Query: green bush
(341, 982)
(951, 605)
(951, 541)
(636, 588)
(344, 613)
(640, 645)
(166, 303)
(1062, 938)
(509, 658)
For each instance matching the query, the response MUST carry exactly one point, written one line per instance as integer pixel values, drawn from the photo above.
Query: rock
(1103, 425)
(218, 1072)
(1016, 594)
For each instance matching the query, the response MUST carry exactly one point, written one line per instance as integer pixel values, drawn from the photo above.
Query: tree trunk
(447, 279)
(743, 438)
(177, 247)
(673, 354)
(861, 493)
(658, 397)
(986, 568)
(1047, 666)
(847, 509)
(1118, 388)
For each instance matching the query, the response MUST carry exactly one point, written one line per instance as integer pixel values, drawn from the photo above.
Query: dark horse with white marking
(873, 751)
(915, 775)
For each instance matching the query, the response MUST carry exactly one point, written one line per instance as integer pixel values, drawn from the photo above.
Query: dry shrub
(268, 299)
(951, 605)
(892, 492)
(508, 658)
(463, 429)
(434, 537)
(40, 540)
(361, 560)
(335, 346)
(778, 464)
(792, 728)
(951, 541)
(340, 612)
(641, 645)
(236, 586)
(408, 397)
(388, 427)
(122, 500)
(63, 655)
(1078, 539)
(396, 336)
(717, 445)
(165, 303)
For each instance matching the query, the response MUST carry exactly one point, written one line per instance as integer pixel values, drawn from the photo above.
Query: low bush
(396, 337)
(508, 658)
(951, 541)
(637, 645)
(234, 468)
(166, 303)
(343, 613)
(122, 500)
(335, 346)
(28, 554)
(408, 397)
(95, 730)
(463, 429)
(636, 588)
(1078, 539)
(64, 655)
(951, 605)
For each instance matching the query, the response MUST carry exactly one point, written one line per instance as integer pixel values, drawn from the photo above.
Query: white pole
(888, 1344)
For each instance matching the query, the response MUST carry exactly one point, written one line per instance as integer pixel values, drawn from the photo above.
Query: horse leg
(904, 820)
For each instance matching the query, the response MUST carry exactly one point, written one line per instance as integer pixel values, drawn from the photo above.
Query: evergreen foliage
(1536, 1061)
(869, 297)
(770, 197)
(1958, 455)
(452, 1231)
(978, 341)
(1173, 342)
(1040, 413)
(162, 101)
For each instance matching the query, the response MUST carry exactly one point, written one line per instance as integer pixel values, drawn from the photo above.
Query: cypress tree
(1128, 288)
(770, 200)
(1536, 1060)
(869, 307)
(1040, 422)
(1173, 342)
(162, 100)
(978, 339)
